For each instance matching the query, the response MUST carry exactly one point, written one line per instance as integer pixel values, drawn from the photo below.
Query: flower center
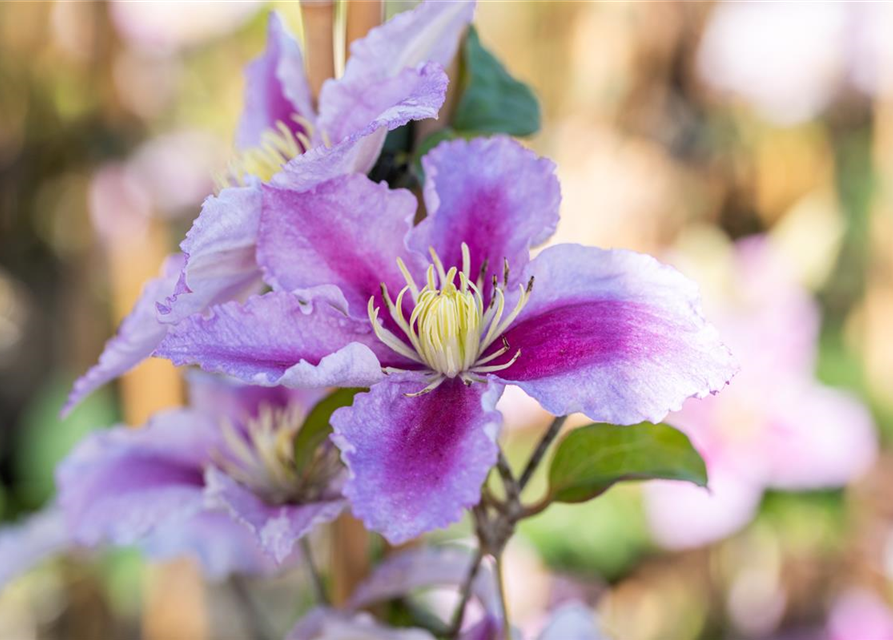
(450, 329)
(277, 146)
(260, 456)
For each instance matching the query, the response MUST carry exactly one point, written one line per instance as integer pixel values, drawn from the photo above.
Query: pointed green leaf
(493, 101)
(591, 459)
(316, 427)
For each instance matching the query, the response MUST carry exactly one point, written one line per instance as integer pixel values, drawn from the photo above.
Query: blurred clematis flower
(789, 60)
(775, 426)
(216, 480)
(165, 27)
(394, 75)
(612, 334)
(423, 568)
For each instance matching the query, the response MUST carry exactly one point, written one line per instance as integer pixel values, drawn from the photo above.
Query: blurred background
(750, 145)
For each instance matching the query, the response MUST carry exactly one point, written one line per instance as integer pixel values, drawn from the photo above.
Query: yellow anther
(449, 329)
(277, 146)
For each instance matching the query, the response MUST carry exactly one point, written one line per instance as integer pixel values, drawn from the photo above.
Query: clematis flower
(422, 568)
(219, 474)
(776, 426)
(394, 75)
(612, 334)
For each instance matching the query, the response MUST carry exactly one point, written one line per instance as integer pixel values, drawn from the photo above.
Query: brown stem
(319, 587)
(465, 594)
(540, 450)
(500, 581)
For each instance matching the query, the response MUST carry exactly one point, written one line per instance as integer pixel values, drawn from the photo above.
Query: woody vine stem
(495, 520)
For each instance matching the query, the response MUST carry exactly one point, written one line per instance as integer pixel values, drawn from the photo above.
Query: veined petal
(222, 546)
(615, 335)
(220, 255)
(275, 86)
(276, 339)
(492, 194)
(417, 462)
(347, 232)
(137, 337)
(277, 528)
(118, 485)
(223, 397)
(413, 94)
(429, 33)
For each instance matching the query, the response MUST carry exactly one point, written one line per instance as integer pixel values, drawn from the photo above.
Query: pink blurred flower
(164, 27)
(789, 60)
(860, 615)
(775, 426)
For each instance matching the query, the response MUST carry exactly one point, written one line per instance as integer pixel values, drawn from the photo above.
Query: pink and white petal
(772, 321)
(683, 516)
(277, 339)
(430, 33)
(277, 528)
(615, 335)
(27, 543)
(417, 462)
(136, 339)
(275, 86)
(325, 236)
(224, 397)
(413, 94)
(817, 437)
(859, 614)
(221, 546)
(118, 485)
(492, 194)
(220, 253)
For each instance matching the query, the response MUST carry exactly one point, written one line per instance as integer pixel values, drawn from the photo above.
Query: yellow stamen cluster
(449, 329)
(277, 146)
(260, 456)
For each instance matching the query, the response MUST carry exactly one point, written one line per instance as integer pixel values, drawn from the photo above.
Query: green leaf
(493, 101)
(591, 459)
(316, 427)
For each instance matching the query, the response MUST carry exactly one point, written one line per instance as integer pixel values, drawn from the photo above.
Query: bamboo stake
(318, 18)
(350, 557)
(175, 595)
(350, 540)
(362, 15)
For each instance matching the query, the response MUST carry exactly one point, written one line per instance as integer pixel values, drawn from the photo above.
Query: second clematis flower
(436, 318)
(204, 479)
(394, 75)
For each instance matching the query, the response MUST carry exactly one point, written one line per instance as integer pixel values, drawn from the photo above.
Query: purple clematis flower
(394, 75)
(219, 474)
(612, 334)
